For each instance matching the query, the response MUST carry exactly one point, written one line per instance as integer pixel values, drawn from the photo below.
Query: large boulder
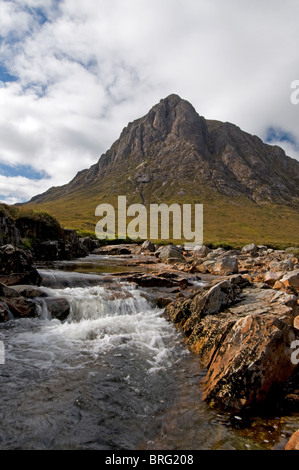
(20, 307)
(170, 254)
(5, 313)
(58, 307)
(16, 267)
(243, 336)
(254, 356)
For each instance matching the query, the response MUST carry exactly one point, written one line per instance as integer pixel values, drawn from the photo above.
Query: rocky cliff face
(173, 145)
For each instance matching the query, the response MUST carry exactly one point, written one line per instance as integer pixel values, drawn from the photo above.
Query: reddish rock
(243, 335)
(291, 280)
(254, 356)
(21, 307)
(293, 443)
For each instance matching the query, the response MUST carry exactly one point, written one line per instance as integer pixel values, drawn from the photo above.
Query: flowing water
(114, 375)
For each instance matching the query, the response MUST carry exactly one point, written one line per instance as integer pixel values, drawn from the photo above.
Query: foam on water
(101, 321)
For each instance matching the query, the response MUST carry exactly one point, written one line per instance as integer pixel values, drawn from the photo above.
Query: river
(115, 375)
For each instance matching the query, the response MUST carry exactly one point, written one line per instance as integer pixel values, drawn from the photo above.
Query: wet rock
(5, 314)
(285, 265)
(7, 292)
(163, 301)
(216, 253)
(90, 244)
(243, 335)
(116, 250)
(254, 356)
(293, 442)
(160, 280)
(21, 307)
(70, 246)
(28, 291)
(58, 307)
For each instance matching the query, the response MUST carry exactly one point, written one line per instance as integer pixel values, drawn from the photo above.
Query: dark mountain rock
(173, 143)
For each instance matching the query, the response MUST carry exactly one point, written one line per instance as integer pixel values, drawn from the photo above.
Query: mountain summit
(173, 154)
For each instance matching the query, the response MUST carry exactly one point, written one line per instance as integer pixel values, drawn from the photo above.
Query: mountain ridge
(172, 154)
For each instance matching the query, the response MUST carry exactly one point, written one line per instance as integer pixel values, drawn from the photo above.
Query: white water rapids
(113, 375)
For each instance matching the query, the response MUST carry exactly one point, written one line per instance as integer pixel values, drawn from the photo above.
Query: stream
(114, 376)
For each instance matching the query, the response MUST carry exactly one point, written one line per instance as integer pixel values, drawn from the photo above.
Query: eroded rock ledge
(243, 335)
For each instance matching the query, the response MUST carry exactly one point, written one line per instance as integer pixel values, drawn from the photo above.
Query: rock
(47, 250)
(160, 280)
(115, 250)
(58, 307)
(16, 267)
(254, 356)
(163, 301)
(148, 246)
(71, 247)
(8, 249)
(293, 442)
(90, 244)
(7, 292)
(285, 265)
(5, 313)
(28, 291)
(21, 307)
(296, 322)
(270, 277)
(226, 266)
(9, 233)
(291, 280)
(243, 335)
(216, 253)
(201, 252)
(250, 248)
(170, 254)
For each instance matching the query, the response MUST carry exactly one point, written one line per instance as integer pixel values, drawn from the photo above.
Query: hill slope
(250, 190)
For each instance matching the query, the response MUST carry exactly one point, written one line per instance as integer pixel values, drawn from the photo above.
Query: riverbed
(114, 376)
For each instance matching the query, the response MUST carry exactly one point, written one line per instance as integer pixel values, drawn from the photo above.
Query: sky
(74, 73)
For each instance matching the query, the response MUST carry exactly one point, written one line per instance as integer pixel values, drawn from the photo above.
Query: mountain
(250, 190)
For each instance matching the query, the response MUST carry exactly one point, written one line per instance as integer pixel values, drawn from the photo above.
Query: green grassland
(227, 220)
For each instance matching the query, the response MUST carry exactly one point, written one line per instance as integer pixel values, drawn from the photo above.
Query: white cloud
(94, 66)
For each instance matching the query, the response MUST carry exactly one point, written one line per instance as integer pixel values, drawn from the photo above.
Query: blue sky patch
(22, 170)
(5, 76)
(280, 135)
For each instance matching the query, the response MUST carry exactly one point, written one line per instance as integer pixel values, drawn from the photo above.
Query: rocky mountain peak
(173, 150)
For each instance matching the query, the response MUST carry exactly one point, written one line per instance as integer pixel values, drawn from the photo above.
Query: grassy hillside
(234, 221)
